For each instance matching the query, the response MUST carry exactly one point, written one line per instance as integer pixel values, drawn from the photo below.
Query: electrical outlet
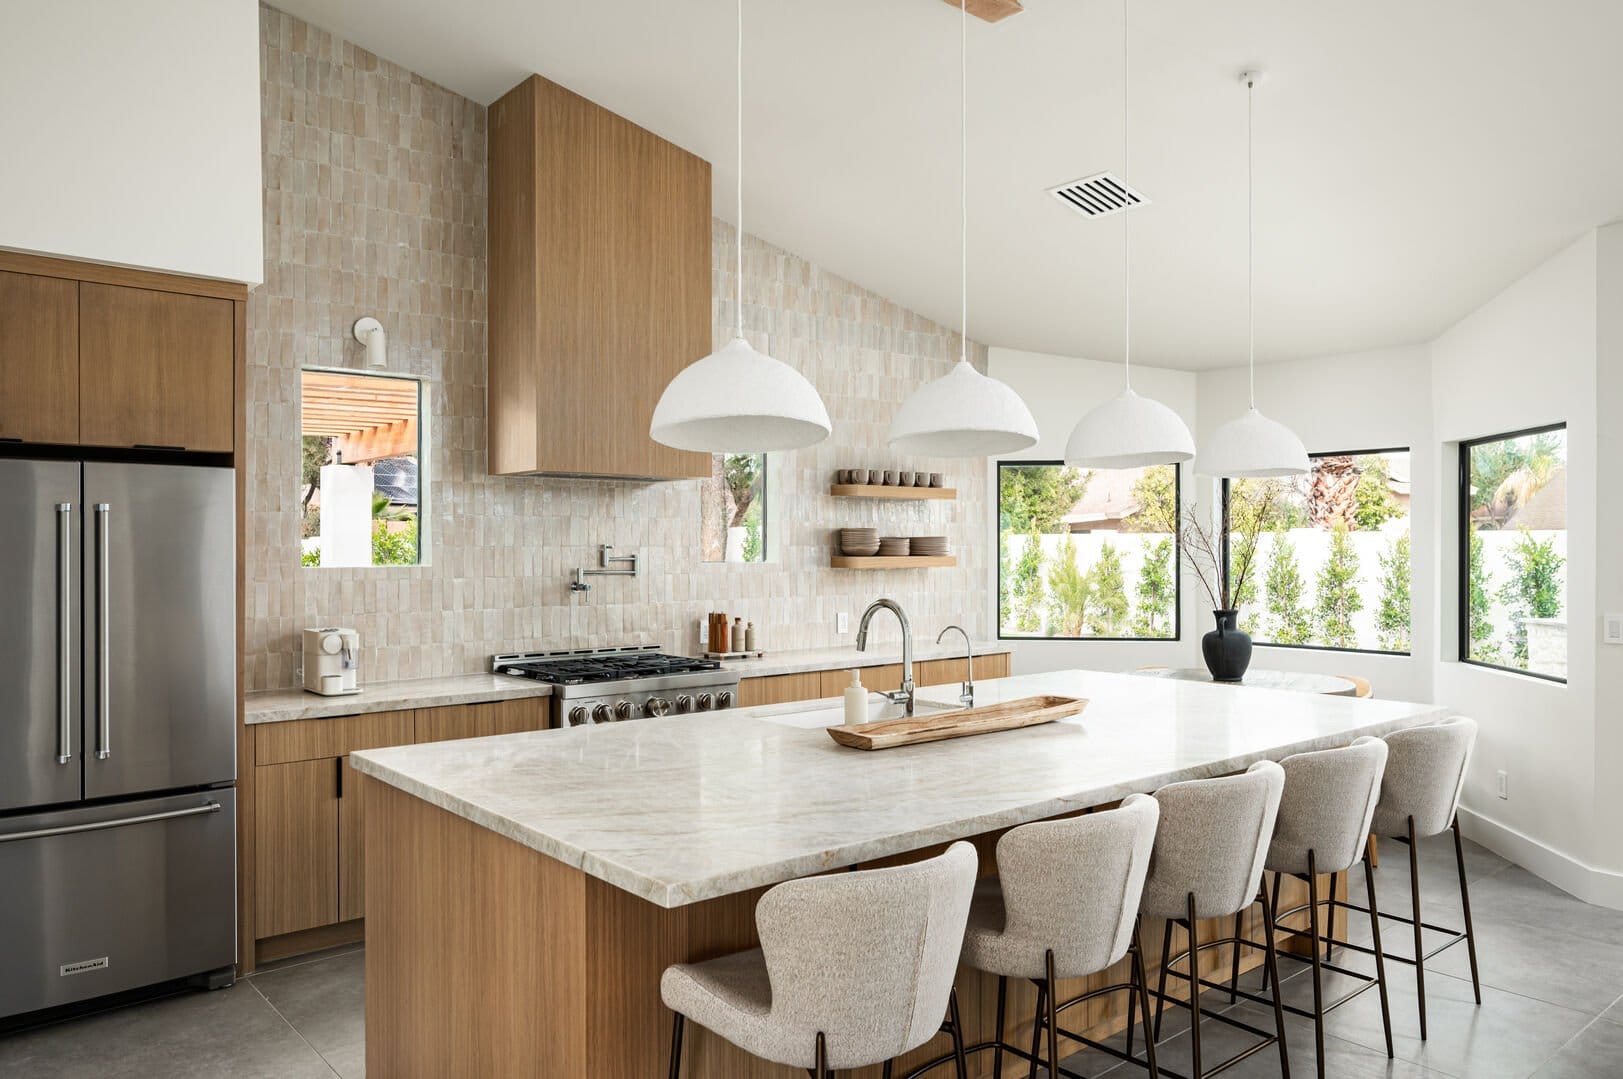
(842, 622)
(1612, 631)
(1504, 785)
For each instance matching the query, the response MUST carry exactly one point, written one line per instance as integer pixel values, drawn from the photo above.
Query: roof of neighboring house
(396, 479)
(1546, 510)
(1109, 497)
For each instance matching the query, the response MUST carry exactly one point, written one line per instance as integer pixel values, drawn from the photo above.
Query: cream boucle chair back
(866, 958)
(1211, 842)
(1326, 807)
(1425, 772)
(1071, 887)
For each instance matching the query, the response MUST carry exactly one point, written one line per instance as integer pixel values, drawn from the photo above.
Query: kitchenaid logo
(83, 965)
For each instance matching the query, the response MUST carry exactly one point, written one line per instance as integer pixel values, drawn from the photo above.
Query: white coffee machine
(331, 661)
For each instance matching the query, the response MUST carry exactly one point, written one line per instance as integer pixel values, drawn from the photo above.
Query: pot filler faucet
(905, 694)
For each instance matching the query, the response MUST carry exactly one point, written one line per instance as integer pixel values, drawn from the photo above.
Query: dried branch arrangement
(1202, 547)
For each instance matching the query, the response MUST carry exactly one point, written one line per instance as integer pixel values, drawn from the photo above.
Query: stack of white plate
(929, 545)
(859, 542)
(894, 547)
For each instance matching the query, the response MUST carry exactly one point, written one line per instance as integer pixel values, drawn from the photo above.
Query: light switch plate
(842, 622)
(1612, 631)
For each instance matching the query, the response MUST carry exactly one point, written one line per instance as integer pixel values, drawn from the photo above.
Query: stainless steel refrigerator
(117, 728)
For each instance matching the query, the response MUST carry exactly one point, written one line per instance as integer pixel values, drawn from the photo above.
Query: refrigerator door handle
(97, 826)
(64, 632)
(104, 725)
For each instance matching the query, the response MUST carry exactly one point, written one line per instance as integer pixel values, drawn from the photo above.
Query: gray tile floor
(1552, 1004)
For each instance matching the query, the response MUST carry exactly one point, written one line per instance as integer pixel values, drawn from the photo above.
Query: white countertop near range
(799, 661)
(686, 808)
(281, 705)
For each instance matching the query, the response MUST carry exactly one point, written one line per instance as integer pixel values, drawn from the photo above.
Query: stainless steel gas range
(607, 685)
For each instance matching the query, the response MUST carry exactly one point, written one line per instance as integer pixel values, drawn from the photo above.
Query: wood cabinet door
(296, 846)
(155, 369)
(886, 678)
(482, 720)
(39, 358)
(351, 843)
(779, 689)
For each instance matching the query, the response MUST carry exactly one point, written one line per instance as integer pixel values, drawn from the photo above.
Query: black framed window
(1513, 552)
(1329, 554)
(1087, 554)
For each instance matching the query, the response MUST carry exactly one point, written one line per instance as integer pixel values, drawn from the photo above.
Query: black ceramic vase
(1227, 651)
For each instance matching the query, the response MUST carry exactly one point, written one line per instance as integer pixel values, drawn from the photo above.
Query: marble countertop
(686, 808)
(281, 705)
(799, 661)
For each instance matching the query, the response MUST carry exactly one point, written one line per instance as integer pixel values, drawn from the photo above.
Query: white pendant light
(1128, 431)
(963, 413)
(1252, 446)
(738, 400)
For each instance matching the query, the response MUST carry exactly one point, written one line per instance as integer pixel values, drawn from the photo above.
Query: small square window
(733, 508)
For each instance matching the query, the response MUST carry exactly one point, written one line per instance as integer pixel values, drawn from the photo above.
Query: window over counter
(1087, 554)
(361, 475)
(733, 508)
(1331, 561)
(1513, 552)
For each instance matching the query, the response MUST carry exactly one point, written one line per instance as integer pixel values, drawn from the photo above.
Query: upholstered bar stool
(1064, 905)
(1324, 817)
(853, 969)
(1420, 797)
(1207, 863)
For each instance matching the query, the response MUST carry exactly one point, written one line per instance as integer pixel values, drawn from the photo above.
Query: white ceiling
(1412, 158)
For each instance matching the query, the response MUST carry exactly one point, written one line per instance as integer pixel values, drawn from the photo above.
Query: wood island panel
(486, 958)
(779, 689)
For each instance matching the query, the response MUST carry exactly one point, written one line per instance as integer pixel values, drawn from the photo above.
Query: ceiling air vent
(1099, 195)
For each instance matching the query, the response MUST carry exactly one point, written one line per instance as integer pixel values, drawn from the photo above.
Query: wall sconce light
(369, 332)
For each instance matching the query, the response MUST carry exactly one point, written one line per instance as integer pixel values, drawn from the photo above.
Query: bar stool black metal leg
(1161, 982)
(886, 1074)
(997, 1048)
(1194, 990)
(1037, 1028)
(1053, 1019)
(1419, 933)
(1380, 958)
(1330, 934)
(1234, 970)
(1142, 979)
(1267, 974)
(961, 1061)
(1271, 969)
(1318, 973)
(822, 1071)
(1465, 902)
(676, 1045)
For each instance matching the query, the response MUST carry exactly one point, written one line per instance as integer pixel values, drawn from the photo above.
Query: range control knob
(704, 702)
(724, 699)
(622, 710)
(577, 716)
(684, 704)
(602, 714)
(656, 706)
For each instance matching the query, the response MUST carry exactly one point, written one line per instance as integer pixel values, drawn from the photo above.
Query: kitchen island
(524, 892)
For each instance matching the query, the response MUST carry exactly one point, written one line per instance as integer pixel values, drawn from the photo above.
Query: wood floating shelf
(909, 494)
(847, 561)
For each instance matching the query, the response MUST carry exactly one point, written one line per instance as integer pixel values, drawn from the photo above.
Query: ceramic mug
(935, 479)
(904, 479)
(890, 479)
(921, 479)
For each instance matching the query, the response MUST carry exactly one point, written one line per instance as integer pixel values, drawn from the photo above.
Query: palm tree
(1332, 493)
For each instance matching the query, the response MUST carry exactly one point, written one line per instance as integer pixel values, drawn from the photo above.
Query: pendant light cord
(963, 180)
(1250, 239)
(1127, 212)
(739, 239)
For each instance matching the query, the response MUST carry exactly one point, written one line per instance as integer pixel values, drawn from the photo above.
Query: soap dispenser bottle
(856, 700)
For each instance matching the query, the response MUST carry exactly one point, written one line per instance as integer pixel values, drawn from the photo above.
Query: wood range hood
(599, 286)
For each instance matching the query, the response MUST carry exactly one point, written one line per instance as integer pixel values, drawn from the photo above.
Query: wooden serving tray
(908, 731)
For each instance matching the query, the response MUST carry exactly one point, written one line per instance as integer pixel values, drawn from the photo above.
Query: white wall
(1607, 848)
(1528, 357)
(1060, 389)
(1363, 401)
(130, 133)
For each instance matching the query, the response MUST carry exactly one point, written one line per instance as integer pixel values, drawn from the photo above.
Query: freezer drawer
(103, 899)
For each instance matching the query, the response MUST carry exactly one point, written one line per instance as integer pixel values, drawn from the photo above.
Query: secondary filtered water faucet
(966, 691)
(904, 695)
